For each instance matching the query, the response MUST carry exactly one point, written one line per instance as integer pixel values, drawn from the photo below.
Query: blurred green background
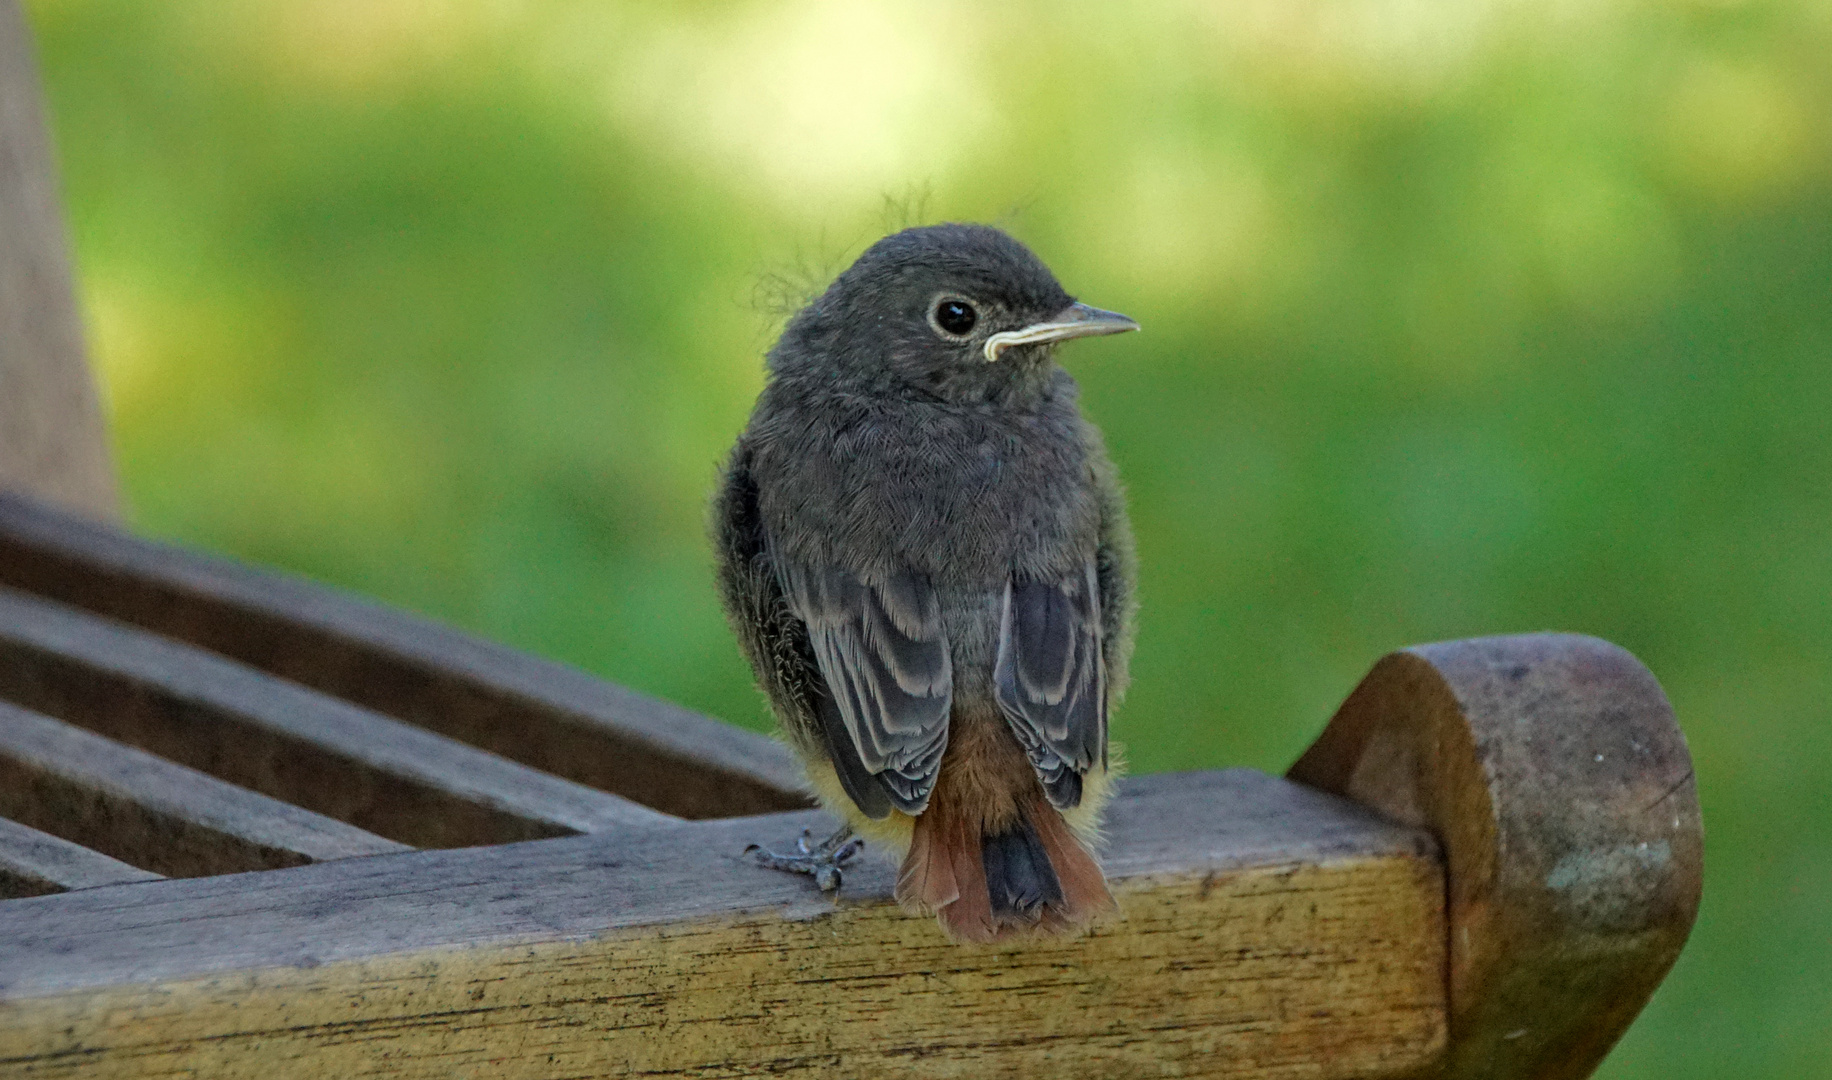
(1461, 318)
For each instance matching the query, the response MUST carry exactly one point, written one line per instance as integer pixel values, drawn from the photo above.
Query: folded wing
(1050, 679)
(883, 654)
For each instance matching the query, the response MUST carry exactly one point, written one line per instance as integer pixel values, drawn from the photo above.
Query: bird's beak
(1076, 320)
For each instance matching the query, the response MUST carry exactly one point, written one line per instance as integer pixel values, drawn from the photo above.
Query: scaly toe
(821, 862)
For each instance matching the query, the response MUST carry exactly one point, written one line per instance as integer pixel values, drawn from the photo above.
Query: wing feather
(882, 651)
(1050, 679)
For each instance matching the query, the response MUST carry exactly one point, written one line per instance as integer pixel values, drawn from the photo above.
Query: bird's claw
(821, 861)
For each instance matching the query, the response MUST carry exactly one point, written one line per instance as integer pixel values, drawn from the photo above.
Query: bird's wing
(1050, 678)
(773, 639)
(883, 654)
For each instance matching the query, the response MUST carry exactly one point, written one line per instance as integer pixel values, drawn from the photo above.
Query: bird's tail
(1030, 874)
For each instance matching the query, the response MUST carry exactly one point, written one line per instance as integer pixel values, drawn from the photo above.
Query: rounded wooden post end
(1554, 774)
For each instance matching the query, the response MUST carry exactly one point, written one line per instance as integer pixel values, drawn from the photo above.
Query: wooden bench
(253, 826)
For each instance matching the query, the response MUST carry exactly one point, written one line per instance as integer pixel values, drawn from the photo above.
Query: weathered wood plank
(545, 715)
(149, 812)
(1268, 931)
(52, 439)
(34, 863)
(1554, 773)
(281, 739)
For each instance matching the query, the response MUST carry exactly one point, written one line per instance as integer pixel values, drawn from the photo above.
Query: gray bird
(924, 554)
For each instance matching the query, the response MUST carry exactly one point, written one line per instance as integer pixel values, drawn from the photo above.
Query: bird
(923, 550)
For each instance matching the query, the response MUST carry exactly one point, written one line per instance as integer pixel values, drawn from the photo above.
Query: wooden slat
(149, 812)
(281, 739)
(1268, 931)
(34, 863)
(546, 715)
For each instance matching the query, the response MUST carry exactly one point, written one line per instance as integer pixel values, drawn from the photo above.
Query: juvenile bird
(923, 551)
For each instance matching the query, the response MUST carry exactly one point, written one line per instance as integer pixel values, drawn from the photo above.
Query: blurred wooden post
(53, 443)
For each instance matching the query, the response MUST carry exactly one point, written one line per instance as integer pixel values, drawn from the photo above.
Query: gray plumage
(908, 533)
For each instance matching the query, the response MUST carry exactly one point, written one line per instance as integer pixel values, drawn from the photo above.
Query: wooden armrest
(1269, 930)
(1552, 769)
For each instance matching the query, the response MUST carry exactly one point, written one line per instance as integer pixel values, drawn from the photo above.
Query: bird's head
(951, 310)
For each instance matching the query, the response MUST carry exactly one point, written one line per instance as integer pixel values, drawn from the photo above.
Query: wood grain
(52, 439)
(542, 714)
(281, 739)
(151, 813)
(1552, 769)
(34, 863)
(1269, 931)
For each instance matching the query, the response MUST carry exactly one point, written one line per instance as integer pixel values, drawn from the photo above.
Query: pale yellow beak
(1076, 320)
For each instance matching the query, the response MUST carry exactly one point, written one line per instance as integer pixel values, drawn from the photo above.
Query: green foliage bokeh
(1459, 319)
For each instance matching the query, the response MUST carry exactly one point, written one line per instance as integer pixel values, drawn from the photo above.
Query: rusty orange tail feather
(1085, 896)
(926, 883)
(946, 873)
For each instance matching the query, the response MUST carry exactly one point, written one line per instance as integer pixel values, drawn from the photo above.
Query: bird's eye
(956, 317)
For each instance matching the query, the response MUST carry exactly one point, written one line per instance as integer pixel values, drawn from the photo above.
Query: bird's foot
(821, 861)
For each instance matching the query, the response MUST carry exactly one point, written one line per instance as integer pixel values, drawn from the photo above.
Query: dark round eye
(956, 317)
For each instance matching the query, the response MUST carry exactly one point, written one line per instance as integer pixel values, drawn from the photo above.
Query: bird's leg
(821, 861)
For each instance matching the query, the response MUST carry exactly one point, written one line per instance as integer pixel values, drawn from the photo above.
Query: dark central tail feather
(1019, 878)
(1032, 874)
